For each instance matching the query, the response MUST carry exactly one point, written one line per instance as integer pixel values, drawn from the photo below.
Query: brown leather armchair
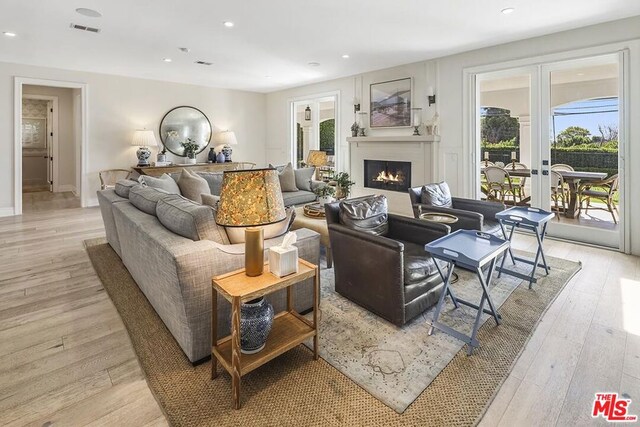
(392, 275)
(472, 214)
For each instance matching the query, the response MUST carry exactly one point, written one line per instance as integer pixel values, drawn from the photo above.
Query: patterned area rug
(396, 364)
(293, 389)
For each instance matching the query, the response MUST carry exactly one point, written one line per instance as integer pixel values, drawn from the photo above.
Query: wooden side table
(289, 327)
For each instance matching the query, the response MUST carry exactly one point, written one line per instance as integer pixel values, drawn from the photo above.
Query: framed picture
(390, 104)
(34, 133)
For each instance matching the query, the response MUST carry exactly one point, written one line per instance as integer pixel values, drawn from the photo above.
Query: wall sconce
(431, 96)
(307, 113)
(356, 105)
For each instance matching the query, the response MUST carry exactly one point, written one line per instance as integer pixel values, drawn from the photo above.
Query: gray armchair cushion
(146, 198)
(189, 219)
(123, 187)
(192, 185)
(368, 215)
(303, 178)
(165, 182)
(436, 195)
(418, 265)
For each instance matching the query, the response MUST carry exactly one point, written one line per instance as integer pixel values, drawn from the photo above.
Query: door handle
(534, 171)
(46, 157)
(545, 172)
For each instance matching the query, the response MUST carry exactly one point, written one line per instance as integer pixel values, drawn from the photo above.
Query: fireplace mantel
(404, 138)
(421, 151)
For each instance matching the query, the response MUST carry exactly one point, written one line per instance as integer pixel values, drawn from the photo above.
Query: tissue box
(283, 261)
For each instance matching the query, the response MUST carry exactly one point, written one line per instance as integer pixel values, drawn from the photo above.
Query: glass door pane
(582, 148)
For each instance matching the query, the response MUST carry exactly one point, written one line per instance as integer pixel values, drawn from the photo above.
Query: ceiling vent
(85, 28)
(204, 63)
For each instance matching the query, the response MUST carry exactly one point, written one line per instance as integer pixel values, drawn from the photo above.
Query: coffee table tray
(313, 210)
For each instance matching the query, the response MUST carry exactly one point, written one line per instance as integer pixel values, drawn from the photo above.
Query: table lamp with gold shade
(317, 158)
(251, 198)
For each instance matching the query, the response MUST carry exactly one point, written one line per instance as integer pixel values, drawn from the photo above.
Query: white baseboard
(67, 187)
(7, 212)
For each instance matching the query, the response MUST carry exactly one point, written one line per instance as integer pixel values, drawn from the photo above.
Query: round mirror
(181, 123)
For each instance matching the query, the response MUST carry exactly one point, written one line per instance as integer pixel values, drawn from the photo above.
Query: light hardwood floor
(66, 359)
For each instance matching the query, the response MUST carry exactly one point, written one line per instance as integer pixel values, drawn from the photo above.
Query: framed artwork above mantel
(390, 103)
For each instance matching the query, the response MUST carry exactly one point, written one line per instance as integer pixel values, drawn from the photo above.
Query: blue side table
(471, 250)
(531, 219)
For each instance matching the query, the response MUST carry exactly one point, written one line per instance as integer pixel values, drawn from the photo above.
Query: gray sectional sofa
(172, 248)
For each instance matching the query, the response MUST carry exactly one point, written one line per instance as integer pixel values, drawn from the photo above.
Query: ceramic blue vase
(256, 318)
(220, 157)
(212, 155)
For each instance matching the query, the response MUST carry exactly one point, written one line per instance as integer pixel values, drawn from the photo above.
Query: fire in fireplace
(387, 175)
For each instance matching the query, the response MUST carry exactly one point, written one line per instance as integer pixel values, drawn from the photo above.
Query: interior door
(49, 137)
(581, 118)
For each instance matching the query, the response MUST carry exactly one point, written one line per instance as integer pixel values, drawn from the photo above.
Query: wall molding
(7, 212)
(67, 187)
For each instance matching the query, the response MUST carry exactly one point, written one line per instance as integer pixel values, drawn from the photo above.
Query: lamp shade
(317, 158)
(225, 138)
(250, 197)
(144, 138)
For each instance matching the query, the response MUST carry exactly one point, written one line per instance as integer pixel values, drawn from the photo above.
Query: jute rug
(294, 389)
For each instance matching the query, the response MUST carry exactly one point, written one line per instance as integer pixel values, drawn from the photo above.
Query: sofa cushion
(214, 179)
(123, 187)
(211, 200)
(236, 234)
(146, 198)
(287, 178)
(418, 265)
(299, 197)
(165, 182)
(436, 195)
(192, 186)
(303, 178)
(190, 219)
(367, 214)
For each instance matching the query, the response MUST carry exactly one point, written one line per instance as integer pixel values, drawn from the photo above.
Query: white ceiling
(275, 38)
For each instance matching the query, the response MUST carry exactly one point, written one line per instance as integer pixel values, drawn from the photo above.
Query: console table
(198, 167)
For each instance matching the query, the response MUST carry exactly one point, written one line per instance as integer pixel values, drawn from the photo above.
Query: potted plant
(325, 194)
(343, 185)
(354, 129)
(190, 148)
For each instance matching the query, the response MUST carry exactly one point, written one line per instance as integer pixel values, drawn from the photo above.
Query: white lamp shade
(225, 138)
(144, 138)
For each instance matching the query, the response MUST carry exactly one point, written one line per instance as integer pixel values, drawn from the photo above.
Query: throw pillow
(437, 195)
(146, 198)
(210, 200)
(165, 182)
(190, 219)
(367, 214)
(287, 179)
(303, 178)
(123, 187)
(214, 179)
(236, 234)
(192, 186)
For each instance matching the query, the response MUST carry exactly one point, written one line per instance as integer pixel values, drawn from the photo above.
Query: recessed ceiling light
(167, 59)
(508, 10)
(313, 64)
(88, 12)
(345, 56)
(9, 34)
(228, 24)
(267, 77)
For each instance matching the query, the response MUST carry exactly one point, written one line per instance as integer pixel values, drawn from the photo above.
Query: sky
(598, 111)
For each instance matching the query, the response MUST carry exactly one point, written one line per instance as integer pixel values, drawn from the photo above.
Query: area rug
(293, 389)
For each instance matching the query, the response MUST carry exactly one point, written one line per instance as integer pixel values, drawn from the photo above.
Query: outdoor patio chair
(109, 177)
(561, 167)
(559, 193)
(499, 185)
(518, 182)
(604, 190)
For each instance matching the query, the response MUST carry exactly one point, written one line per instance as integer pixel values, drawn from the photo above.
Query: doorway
(315, 128)
(50, 136)
(555, 128)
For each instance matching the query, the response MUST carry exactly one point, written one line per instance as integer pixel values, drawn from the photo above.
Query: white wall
(119, 105)
(446, 75)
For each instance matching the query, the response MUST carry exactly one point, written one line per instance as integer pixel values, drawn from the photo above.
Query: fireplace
(387, 175)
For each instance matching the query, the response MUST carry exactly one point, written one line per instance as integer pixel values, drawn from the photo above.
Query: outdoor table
(534, 220)
(471, 250)
(573, 178)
